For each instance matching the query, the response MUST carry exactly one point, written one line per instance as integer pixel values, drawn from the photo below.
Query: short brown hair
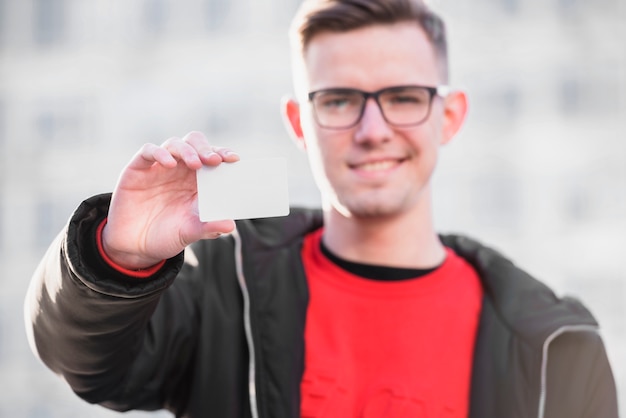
(317, 16)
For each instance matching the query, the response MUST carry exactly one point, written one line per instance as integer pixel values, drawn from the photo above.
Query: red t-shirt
(388, 349)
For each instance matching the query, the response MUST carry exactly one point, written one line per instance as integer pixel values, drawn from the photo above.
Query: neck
(404, 240)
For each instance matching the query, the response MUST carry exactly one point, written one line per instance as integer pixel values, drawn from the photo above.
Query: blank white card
(245, 189)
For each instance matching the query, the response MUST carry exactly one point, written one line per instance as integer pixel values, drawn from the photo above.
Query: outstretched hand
(154, 208)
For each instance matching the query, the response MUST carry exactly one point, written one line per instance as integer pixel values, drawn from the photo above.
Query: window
(2, 126)
(48, 21)
(217, 12)
(497, 198)
(2, 229)
(568, 8)
(501, 102)
(510, 6)
(576, 203)
(51, 213)
(44, 218)
(590, 92)
(62, 121)
(570, 96)
(3, 24)
(510, 100)
(155, 15)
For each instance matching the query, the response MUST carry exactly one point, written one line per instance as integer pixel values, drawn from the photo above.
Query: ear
(291, 117)
(455, 111)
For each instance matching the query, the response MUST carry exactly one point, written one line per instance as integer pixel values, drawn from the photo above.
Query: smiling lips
(377, 166)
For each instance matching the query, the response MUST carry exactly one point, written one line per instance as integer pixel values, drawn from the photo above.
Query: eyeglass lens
(399, 105)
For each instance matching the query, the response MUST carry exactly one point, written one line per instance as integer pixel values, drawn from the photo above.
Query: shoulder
(527, 306)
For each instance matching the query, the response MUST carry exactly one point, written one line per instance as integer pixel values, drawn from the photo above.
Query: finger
(216, 155)
(207, 230)
(217, 228)
(182, 151)
(149, 154)
(207, 153)
(227, 154)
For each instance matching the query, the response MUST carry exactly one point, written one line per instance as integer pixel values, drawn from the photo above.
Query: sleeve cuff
(139, 274)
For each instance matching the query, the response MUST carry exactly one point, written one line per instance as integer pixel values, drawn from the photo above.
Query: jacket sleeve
(122, 342)
(580, 382)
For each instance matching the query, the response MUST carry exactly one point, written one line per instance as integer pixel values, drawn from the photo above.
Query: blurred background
(539, 171)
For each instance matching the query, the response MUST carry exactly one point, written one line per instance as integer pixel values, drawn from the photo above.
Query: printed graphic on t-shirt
(324, 396)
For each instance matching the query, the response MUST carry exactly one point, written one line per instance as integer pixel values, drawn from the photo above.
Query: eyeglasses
(342, 108)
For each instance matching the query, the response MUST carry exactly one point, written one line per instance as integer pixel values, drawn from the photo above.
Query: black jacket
(182, 339)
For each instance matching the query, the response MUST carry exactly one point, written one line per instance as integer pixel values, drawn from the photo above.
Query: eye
(404, 98)
(337, 100)
(409, 97)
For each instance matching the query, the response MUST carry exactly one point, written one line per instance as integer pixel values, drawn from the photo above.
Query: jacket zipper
(544, 359)
(247, 325)
(251, 351)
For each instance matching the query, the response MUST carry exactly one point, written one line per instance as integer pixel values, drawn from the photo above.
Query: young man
(358, 310)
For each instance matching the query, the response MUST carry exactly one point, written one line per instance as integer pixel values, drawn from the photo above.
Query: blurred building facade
(539, 170)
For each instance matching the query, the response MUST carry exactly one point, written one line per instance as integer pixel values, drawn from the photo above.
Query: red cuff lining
(140, 274)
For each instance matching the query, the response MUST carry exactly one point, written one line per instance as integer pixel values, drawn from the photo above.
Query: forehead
(370, 58)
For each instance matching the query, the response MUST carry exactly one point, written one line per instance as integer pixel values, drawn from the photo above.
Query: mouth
(377, 166)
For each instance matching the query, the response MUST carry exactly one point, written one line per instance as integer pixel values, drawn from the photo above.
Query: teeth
(377, 166)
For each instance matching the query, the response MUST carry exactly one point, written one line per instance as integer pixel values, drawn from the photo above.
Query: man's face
(373, 169)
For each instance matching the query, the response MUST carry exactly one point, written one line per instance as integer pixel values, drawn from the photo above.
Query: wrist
(128, 265)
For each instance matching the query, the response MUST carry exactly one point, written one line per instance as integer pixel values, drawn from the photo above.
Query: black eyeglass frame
(441, 90)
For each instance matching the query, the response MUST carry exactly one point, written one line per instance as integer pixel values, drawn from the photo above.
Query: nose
(372, 128)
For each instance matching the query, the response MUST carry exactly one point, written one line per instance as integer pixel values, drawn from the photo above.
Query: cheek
(430, 150)
(327, 162)
(316, 151)
(322, 155)
(426, 151)
(326, 144)
(428, 139)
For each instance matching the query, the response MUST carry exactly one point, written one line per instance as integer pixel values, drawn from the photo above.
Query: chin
(369, 210)
(370, 204)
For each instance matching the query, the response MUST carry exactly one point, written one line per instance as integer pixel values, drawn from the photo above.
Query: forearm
(86, 321)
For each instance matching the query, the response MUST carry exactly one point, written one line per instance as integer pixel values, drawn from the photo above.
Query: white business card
(245, 189)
